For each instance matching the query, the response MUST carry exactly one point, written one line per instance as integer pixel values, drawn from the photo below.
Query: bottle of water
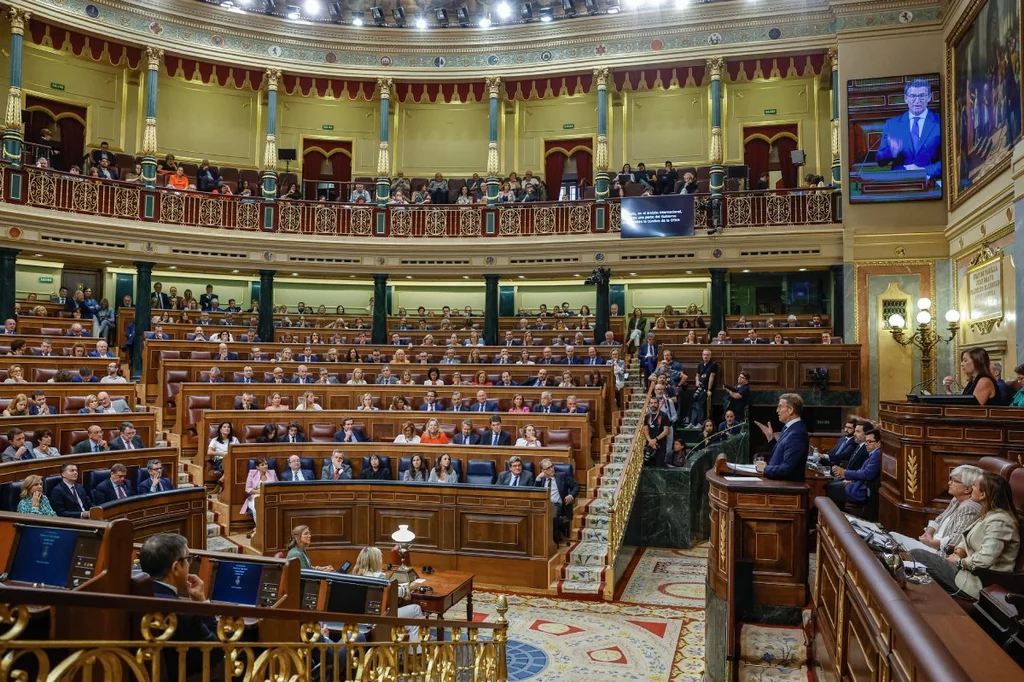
(815, 457)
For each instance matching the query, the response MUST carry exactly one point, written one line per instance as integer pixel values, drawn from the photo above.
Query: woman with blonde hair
(18, 407)
(357, 377)
(370, 563)
(433, 434)
(302, 538)
(92, 405)
(33, 501)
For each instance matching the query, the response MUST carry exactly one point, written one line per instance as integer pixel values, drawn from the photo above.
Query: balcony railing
(43, 188)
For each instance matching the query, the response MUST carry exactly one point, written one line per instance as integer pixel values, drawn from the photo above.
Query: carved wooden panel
(493, 533)
(769, 544)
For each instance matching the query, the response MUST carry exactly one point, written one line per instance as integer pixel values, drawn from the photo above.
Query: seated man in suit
(753, 338)
(68, 498)
(570, 356)
(336, 468)
(117, 487)
(94, 443)
(18, 446)
(457, 405)
(248, 402)
(545, 406)
(158, 334)
(912, 141)
(853, 457)
(247, 376)
(609, 339)
(214, 376)
(572, 406)
(108, 406)
(563, 489)
(431, 403)
(349, 434)
(729, 426)
(295, 472)
(166, 558)
(127, 438)
(496, 436)
(541, 378)
(515, 477)
(845, 444)
(482, 404)
(510, 340)
(466, 436)
(223, 354)
(856, 485)
(789, 451)
(302, 376)
(102, 351)
(156, 482)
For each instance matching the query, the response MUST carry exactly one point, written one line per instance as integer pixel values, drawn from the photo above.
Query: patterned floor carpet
(653, 633)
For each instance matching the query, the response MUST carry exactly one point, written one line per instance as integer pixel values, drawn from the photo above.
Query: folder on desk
(748, 469)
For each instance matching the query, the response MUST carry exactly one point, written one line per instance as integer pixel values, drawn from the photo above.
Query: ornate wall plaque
(985, 290)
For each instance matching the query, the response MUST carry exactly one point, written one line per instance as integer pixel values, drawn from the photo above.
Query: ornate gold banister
(446, 650)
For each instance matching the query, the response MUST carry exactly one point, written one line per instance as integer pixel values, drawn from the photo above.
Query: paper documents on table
(749, 469)
(737, 479)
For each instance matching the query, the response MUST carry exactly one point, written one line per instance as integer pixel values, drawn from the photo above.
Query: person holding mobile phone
(790, 447)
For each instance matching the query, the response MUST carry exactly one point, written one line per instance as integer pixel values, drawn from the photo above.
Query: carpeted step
(580, 588)
(221, 544)
(583, 574)
(211, 516)
(587, 554)
(212, 529)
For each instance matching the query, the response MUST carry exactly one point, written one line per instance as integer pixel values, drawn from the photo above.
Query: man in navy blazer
(349, 434)
(431, 403)
(223, 355)
(495, 436)
(156, 482)
(789, 451)
(572, 406)
(68, 498)
(114, 488)
(466, 435)
(510, 340)
(482, 404)
(570, 356)
(846, 445)
(857, 485)
(913, 141)
(127, 439)
(295, 472)
(753, 338)
(247, 376)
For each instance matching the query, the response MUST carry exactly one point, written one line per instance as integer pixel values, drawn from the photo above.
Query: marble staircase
(216, 540)
(587, 561)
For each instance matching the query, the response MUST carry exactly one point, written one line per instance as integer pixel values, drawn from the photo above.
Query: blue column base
(383, 191)
(601, 186)
(12, 146)
(837, 173)
(493, 187)
(269, 179)
(149, 171)
(717, 179)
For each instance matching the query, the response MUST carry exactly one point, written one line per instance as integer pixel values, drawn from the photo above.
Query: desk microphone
(919, 384)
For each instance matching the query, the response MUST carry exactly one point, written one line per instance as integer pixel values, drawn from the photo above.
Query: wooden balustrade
(181, 511)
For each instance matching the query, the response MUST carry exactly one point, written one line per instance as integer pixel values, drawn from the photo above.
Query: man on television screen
(912, 141)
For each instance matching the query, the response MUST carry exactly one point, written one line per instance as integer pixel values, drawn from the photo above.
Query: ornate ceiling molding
(210, 33)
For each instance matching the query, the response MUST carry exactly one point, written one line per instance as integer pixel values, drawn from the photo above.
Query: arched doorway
(767, 148)
(326, 169)
(575, 155)
(65, 121)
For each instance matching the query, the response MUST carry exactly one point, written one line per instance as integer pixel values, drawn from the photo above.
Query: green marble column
(719, 302)
(383, 192)
(380, 308)
(143, 312)
(269, 176)
(14, 129)
(837, 171)
(491, 310)
(8, 287)
(714, 67)
(602, 305)
(601, 179)
(493, 165)
(266, 328)
(149, 148)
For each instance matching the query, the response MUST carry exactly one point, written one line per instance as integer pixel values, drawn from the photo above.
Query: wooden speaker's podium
(757, 561)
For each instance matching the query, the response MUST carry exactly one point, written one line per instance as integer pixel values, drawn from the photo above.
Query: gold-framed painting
(983, 113)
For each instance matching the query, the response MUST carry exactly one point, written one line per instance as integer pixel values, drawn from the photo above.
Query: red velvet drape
(756, 153)
(312, 162)
(72, 143)
(341, 168)
(584, 167)
(789, 171)
(554, 166)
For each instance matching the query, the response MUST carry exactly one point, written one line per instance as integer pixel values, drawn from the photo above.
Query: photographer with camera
(739, 396)
(707, 371)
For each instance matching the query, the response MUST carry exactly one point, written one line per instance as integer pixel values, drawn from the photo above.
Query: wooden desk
(867, 628)
(450, 587)
(758, 556)
(181, 511)
(921, 444)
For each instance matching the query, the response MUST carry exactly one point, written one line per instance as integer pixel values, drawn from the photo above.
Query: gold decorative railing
(58, 191)
(446, 650)
(621, 502)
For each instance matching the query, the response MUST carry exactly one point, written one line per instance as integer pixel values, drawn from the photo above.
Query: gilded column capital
(601, 76)
(715, 65)
(384, 85)
(18, 18)
(493, 86)
(273, 76)
(833, 56)
(154, 55)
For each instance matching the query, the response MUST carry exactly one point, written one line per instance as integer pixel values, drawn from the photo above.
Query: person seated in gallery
(103, 154)
(856, 485)
(942, 533)
(991, 542)
(375, 471)
(666, 179)
(438, 189)
(974, 363)
(178, 180)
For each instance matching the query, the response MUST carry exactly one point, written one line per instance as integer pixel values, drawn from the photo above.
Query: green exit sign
(568, 126)
(56, 86)
(770, 112)
(46, 280)
(327, 126)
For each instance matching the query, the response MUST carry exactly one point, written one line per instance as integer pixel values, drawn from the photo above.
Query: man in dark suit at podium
(913, 141)
(789, 450)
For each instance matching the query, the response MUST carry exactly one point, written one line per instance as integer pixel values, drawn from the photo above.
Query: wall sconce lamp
(925, 338)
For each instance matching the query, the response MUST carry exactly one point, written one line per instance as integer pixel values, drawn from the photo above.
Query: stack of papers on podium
(750, 469)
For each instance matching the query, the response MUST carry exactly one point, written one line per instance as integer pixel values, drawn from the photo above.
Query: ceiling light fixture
(311, 7)
(421, 23)
(526, 11)
(569, 7)
(357, 21)
(377, 14)
(399, 14)
(545, 15)
(485, 22)
(504, 10)
(335, 11)
(613, 6)
(591, 6)
(292, 12)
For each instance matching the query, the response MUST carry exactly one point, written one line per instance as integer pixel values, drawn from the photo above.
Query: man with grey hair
(156, 482)
(515, 476)
(117, 487)
(912, 140)
(942, 534)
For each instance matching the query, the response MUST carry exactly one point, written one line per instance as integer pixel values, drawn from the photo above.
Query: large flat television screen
(43, 555)
(668, 215)
(895, 132)
(237, 582)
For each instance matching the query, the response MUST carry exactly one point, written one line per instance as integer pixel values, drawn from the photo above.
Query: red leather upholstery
(998, 465)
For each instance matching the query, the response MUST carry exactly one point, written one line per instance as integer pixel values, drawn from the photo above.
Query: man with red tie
(117, 487)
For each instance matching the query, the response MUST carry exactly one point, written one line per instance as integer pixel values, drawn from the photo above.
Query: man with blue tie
(466, 436)
(246, 377)
(789, 450)
(858, 484)
(846, 445)
(496, 436)
(648, 354)
(10, 327)
(482, 404)
(510, 340)
(592, 358)
(515, 477)
(913, 141)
